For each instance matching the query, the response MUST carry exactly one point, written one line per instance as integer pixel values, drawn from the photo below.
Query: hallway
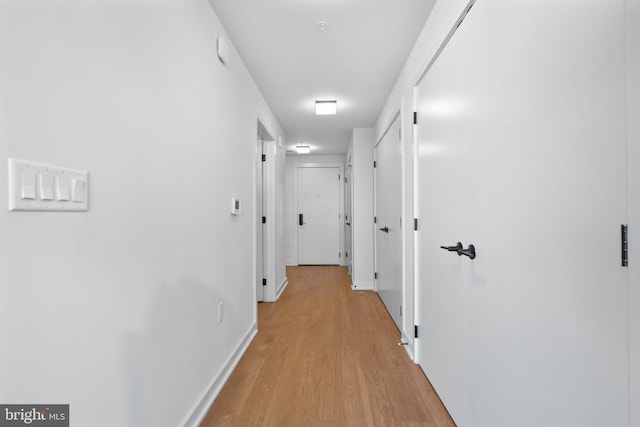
(326, 356)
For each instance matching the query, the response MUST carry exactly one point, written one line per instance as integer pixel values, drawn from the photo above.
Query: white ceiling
(355, 61)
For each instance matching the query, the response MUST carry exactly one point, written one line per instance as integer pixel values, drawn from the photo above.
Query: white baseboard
(201, 409)
(363, 286)
(281, 288)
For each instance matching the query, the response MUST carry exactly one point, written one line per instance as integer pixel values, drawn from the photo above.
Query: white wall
(290, 214)
(114, 310)
(361, 155)
(440, 21)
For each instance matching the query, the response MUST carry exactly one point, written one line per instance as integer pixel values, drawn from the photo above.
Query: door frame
(348, 216)
(265, 175)
(341, 225)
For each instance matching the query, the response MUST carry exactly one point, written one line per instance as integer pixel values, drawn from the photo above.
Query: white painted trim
(200, 410)
(363, 286)
(409, 349)
(281, 288)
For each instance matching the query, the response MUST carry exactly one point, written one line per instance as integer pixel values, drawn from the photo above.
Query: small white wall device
(235, 206)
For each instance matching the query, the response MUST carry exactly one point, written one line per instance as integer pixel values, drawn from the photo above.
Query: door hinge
(264, 157)
(400, 311)
(339, 254)
(264, 282)
(375, 220)
(415, 331)
(346, 254)
(375, 164)
(415, 117)
(415, 224)
(399, 133)
(338, 177)
(375, 275)
(264, 219)
(345, 180)
(624, 236)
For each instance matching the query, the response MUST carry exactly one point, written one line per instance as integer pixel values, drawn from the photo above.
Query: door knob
(385, 229)
(456, 248)
(470, 252)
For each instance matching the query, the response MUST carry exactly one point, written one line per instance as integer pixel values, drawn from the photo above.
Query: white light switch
(41, 187)
(63, 189)
(28, 186)
(77, 190)
(46, 187)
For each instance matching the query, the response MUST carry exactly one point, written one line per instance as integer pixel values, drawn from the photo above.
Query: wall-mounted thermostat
(235, 206)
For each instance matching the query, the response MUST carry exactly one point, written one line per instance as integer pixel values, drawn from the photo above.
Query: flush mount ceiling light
(326, 107)
(303, 149)
(322, 26)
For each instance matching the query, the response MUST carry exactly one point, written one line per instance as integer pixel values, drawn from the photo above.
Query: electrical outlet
(220, 312)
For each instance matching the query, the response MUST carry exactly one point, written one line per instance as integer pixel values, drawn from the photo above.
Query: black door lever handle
(385, 229)
(470, 252)
(456, 248)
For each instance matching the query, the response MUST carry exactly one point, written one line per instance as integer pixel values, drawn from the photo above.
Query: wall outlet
(220, 312)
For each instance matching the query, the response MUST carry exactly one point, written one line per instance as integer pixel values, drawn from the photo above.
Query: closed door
(633, 139)
(388, 184)
(260, 232)
(522, 154)
(318, 215)
(347, 215)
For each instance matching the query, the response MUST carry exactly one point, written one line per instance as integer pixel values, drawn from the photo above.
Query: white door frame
(341, 225)
(348, 213)
(268, 210)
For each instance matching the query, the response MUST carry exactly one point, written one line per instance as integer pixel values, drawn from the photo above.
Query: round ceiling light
(322, 26)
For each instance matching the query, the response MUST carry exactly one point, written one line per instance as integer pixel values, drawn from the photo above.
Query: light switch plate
(40, 187)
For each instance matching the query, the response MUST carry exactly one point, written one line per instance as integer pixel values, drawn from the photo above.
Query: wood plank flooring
(326, 356)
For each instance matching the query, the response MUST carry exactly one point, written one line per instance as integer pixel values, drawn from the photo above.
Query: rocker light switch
(63, 189)
(46, 187)
(77, 188)
(28, 186)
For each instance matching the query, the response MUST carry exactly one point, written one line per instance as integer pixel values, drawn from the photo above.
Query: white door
(318, 215)
(347, 216)
(388, 184)
(522, 154)
(260, 238)
(633, 139)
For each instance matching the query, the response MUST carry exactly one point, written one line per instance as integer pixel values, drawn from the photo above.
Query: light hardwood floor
(326, 356)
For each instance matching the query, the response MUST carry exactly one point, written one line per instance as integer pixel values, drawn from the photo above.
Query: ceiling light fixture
(303, 149)
(322, 26)
(326, 107)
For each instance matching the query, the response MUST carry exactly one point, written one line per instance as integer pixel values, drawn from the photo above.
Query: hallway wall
(114, 310)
